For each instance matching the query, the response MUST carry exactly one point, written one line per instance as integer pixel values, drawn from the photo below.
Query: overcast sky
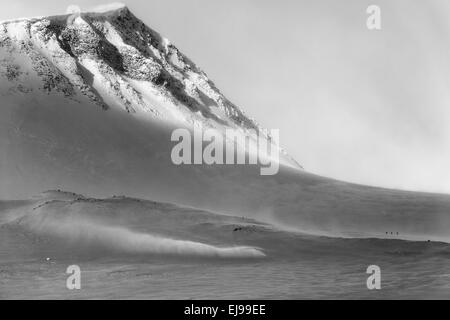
(371, 107)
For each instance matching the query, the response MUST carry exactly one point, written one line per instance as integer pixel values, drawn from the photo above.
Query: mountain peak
(112, 9)
(115, 8)
(114, 60)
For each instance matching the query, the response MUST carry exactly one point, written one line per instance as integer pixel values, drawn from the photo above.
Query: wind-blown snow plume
(72, 9)
(85, 232)
(107, 7)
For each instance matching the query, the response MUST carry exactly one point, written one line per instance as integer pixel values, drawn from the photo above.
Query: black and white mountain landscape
(88, 103)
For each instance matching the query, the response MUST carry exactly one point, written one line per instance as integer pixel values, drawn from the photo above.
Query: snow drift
(92, 234)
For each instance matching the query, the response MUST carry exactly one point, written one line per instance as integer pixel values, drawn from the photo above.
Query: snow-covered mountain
(111, 59)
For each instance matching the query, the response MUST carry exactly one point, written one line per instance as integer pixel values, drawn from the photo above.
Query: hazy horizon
(352, 104)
